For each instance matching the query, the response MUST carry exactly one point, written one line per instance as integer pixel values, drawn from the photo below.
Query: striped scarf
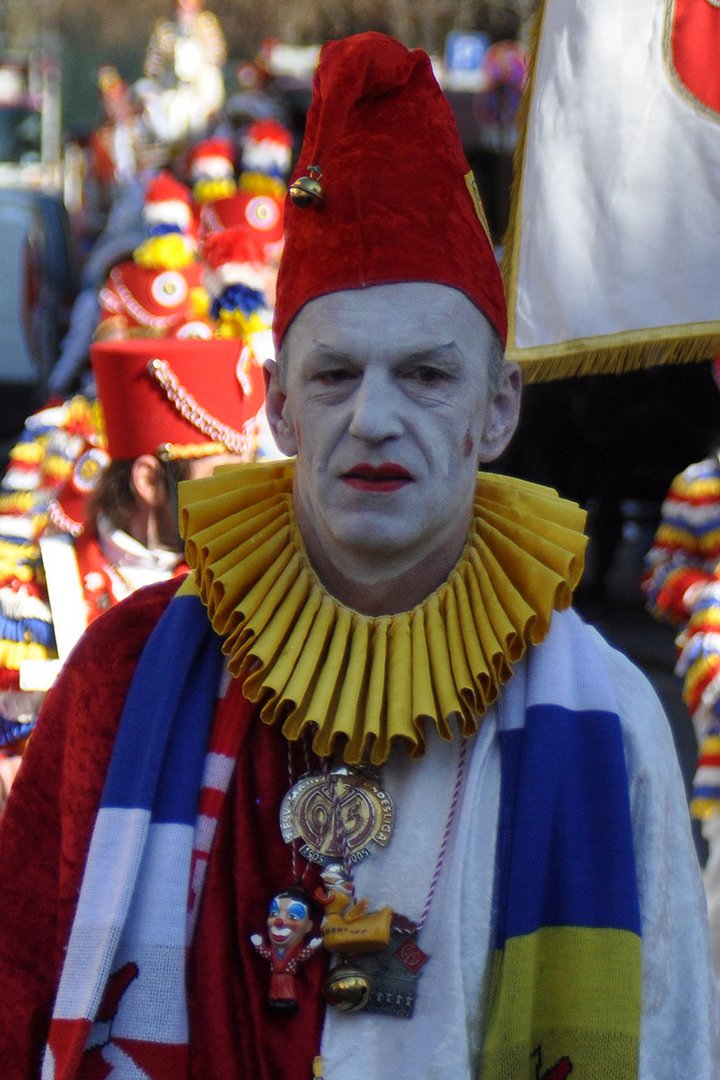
(567, 950)
(566, 988)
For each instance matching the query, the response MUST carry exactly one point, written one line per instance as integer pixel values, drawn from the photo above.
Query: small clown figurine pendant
(289, 922)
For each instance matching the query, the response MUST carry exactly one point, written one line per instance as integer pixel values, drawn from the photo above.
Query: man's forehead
(409, 316)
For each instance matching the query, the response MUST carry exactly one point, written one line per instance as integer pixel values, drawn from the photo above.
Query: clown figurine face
(288, 922)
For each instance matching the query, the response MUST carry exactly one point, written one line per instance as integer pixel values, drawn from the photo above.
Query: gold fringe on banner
(617, 353)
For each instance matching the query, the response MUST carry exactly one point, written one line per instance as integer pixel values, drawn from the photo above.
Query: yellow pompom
(199, 302)
(29, 453)
(230, 325)
(207, 190)
(170, 252)
(256, 183)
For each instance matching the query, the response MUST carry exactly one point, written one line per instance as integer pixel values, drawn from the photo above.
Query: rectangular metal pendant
(394, 972)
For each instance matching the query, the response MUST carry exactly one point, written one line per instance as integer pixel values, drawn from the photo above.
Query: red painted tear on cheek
(468, 444)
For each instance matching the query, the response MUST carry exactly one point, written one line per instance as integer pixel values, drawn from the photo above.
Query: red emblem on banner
(694, 46)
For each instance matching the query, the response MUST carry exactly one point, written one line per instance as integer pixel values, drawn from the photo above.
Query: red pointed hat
(177, 398)
(397, 199)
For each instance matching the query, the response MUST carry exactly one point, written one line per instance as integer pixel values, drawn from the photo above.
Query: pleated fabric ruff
(358, 684)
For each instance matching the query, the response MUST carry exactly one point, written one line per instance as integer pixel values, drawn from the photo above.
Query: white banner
(613, 252)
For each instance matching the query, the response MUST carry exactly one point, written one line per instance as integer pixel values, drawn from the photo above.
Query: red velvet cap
(201, 392)
(399, 202)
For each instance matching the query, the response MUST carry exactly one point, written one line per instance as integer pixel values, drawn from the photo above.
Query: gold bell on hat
(307, 190)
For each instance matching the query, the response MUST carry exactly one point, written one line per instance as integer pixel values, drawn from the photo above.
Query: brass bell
(347, 989)
(307, 190)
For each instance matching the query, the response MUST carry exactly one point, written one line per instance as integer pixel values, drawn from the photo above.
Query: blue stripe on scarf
(175, 686)
(566, 853)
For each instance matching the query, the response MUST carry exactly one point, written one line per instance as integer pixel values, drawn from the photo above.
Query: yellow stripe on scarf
(565, 992)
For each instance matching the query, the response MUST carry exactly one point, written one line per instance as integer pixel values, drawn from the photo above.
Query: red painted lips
(385, 477)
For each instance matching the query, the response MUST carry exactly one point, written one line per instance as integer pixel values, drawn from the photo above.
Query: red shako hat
(213, 157)
(232, 257)
(267, 145)
(178, 398)
(260, 215)
(396, 199)
(167, 201)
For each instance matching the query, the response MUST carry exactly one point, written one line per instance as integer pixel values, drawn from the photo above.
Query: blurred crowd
(177, 217)
(159, 376)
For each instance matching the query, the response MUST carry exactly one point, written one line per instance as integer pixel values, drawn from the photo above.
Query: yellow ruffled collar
(358, 683)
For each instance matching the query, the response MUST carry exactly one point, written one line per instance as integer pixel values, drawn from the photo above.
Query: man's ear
(276, 408)
(148, 481)
(503, 415)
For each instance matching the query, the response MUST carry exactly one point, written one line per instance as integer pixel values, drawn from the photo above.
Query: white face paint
(387, 403)
(288, 922)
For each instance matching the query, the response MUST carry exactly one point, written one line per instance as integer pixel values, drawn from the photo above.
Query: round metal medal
(310, 810)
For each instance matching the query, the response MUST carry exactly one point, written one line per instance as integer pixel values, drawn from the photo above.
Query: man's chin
(382, 539)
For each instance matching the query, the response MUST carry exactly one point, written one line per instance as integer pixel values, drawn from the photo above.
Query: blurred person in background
(682, 586)
(169, 411)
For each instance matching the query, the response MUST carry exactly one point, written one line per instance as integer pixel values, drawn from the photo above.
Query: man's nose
(375, 415)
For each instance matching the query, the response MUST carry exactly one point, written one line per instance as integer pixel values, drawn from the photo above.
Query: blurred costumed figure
(254, 97)
(211, 169)
(114, 152)
(256, 208)
(682, 586)
(152, 294)
(41, 463)
(267, 155)
(183, 88)
(169, 410)
(240, 283)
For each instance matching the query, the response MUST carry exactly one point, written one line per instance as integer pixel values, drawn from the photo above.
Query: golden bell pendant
(307, 190)
(347, 989)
